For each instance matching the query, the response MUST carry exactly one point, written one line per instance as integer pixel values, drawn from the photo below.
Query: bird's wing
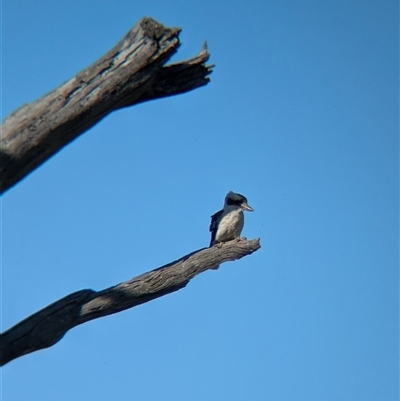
(214, 225)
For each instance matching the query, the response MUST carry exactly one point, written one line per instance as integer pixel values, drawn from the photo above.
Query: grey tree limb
(132, 72)
(46, 327)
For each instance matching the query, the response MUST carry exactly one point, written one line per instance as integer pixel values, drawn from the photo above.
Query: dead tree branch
(131, 73)
(46, 327)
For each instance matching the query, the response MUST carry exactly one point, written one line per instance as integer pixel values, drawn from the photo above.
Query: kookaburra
(227, 224)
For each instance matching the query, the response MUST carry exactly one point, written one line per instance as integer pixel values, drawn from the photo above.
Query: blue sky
(301, 116)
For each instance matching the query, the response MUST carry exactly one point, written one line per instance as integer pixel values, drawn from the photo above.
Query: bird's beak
(245, 206)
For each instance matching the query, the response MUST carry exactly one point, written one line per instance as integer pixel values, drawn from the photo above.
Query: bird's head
(239, 200)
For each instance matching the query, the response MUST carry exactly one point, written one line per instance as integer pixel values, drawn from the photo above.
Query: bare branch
(46, 327)
(132, 72)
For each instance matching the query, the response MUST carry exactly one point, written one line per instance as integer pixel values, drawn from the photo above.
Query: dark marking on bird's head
(230, 201)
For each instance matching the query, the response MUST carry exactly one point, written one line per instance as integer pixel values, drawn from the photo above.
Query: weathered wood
(132, 72)
(46, 327)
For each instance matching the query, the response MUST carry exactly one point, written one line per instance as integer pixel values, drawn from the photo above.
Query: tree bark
(131, 73)
(46, 327)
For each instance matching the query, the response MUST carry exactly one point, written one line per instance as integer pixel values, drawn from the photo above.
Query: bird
(227, 224)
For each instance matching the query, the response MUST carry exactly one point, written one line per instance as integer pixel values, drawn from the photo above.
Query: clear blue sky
(301, 116)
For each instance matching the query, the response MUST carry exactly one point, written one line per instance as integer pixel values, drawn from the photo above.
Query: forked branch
(132, 72)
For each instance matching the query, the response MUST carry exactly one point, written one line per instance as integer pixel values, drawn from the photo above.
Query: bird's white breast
(230, 225)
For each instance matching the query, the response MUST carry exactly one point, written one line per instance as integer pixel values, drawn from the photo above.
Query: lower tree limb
(46, 327)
